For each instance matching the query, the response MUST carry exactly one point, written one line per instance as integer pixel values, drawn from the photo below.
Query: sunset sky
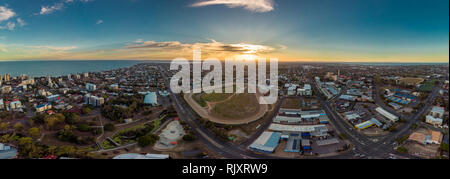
(291, 30)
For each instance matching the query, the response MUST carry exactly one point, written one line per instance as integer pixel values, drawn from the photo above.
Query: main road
(379, 148)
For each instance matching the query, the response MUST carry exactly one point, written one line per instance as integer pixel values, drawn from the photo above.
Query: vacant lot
(203, 98)
(412, 81)
(291, 103)
(239, 106)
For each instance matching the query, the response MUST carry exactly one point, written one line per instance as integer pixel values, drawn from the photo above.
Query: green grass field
(428, 86)
(203, 98)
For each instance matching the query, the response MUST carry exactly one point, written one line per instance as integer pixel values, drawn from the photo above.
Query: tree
(71, 117)
(444, 147)
(402, 149)
(84, 128)
(52, 120)
(189, 137)
(3, 126)
(86, 110)
(34, 132)
(27, 148)
(147, 140)
(18, 126)
(109, 127)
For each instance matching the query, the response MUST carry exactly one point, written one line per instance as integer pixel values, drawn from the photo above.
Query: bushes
(34, 132)
(147, 140)
(444, 147)
(189, 137)
(402, 150)
(109, 127)
(71, 117)
(84, 128)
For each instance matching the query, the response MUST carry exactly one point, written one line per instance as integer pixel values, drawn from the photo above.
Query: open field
(291, 103)
(231, 109)
(203, 98)
(239, 106)
(428, 86)
(412, 81)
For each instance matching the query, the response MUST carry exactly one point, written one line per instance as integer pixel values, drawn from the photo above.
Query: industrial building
(266, 143)
(151, 99)
(388, 115)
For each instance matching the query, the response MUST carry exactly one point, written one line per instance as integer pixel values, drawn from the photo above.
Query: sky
(290, 30)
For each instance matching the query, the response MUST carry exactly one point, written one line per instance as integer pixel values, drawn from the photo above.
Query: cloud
(55, 48)
(51, 9)
(212, 49)
(57, 6)
(99, 22)
(9, 26)
(138, 50)
(251, 5)
(20, 22)
(6, 13)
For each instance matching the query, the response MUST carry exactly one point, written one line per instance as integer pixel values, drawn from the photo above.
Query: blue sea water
(60, 68)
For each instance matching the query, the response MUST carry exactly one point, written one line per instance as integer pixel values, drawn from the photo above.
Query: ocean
(61, 68)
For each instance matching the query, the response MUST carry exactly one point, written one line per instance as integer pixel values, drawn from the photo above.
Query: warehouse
(266, 143)
(369, 123)
(305, 130)
(386, 114)
(293, 143)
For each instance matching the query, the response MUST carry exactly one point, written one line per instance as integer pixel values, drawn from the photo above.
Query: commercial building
(348, 97)
(306, 144)
(369, 123)
(53, 98)
(437, 112)
(292, 91)
(151, 99)
(91, 87)
(388, 115)
(314, 130)
(395, 106)
(43, 107)
(7, 152)
(429, 137)
(266, 143)
(293, 143)
(305, 91)
(114, 86)
(16, 104)
(433, 120)
(94, 100)
(6, 89)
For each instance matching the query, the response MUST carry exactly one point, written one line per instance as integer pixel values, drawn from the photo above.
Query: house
(437, 112)
(433, 121)
(43, 107)
(91, 87)
(292, 90)
(16, 104)
(2, 105)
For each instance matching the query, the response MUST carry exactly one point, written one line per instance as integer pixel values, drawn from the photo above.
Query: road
(378, 147)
